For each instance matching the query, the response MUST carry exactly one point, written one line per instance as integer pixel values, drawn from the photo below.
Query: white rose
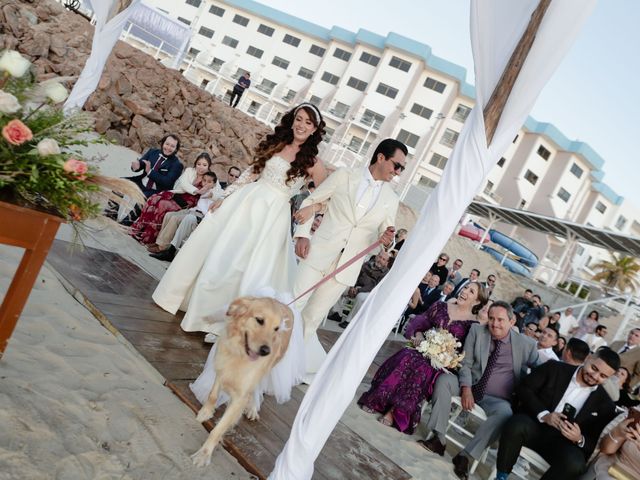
(48, 146)
(55, 91)
(8, 103)
(14, 63)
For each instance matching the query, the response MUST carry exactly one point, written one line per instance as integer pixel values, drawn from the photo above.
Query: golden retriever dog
(256, 338)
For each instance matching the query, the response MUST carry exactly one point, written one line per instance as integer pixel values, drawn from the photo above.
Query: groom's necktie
(365, 200)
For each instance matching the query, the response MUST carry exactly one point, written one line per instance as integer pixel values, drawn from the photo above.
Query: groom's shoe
(461, 466)
(335, 316)
(433, 445)
(165, 255)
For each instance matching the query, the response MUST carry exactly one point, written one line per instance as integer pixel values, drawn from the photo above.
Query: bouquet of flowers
(441, 348)
(39, 167)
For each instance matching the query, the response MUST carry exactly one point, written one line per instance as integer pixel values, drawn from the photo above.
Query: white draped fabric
(105, 37)
(496, 27)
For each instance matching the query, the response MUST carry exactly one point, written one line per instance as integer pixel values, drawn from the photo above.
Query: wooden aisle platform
(119, 294)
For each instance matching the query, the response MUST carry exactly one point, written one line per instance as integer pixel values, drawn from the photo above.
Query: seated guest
(531, 330)
(186, 193)
(568, 323)
(564, 409)
(404, 380)
(177, 226)
(554, 321)
(446, 293)
(596, 339)
(454, 274)
(587, 324)
(575, 352)
(546, 341)
(559, 348)
(474, 276)
(159, 167)
(440, 268)
(496, 358)
(522, 304)
(490, 284)
(625, 399)
(232, 175)
(429, 293)
(401, 235)
(629, 352)
(619, 449)
(535, 313)
(370, 275)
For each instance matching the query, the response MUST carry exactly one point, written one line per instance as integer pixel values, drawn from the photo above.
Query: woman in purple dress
(406, 379)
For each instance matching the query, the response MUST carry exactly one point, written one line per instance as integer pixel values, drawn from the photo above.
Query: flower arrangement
(39, 167)
(441, 348)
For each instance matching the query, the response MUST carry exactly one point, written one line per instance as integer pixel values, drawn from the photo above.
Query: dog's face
(261, 325)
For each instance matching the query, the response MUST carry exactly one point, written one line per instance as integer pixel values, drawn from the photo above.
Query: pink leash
(351, 261)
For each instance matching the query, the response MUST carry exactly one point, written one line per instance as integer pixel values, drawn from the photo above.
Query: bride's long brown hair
(283, 135)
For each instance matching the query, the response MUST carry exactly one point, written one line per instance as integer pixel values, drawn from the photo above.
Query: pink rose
(76, 167)
(16, 133)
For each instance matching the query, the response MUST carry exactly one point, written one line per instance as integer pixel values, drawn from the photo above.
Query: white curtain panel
(104, 38)
(496, 27)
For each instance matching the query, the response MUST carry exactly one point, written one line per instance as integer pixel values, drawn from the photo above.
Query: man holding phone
(564, 410)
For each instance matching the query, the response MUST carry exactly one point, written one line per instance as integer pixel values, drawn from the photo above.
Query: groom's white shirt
(343, 233)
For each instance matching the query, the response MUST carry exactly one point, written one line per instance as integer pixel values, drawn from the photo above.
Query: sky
(593, 96)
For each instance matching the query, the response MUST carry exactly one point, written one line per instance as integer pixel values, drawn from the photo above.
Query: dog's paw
(204, 414)
(202, 457)
(252, 414)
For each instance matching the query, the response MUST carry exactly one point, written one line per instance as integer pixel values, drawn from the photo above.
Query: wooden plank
(126, 322)
(185, 340)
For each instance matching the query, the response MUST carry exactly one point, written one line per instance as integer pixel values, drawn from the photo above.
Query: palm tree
(619, 273)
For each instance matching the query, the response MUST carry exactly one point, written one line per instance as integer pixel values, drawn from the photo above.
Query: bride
(245, 244)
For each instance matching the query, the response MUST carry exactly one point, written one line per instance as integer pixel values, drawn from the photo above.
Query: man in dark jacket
(159, 167)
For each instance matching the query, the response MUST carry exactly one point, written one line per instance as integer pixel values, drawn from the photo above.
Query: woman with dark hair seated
(405, 380)
(186, 193)
(624, 379)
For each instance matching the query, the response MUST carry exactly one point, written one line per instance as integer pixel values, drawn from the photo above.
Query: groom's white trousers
(314, 306)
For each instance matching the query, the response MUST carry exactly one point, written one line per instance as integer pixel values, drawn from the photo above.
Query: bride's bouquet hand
(304, 214)
(215, 205)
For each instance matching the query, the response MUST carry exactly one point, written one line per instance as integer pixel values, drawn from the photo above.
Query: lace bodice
(275, 173)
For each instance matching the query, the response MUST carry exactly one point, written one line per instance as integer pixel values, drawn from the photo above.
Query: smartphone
(569, 411)
(635, 414)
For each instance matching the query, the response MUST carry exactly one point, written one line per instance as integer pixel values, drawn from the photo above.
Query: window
(387, 91)
(601, 207)
(184, 20)
(204, 83)
(194, 3)
(207, 32)
(408, 138)
(563, 195)
(427, 182)
(433, 84)
(315, 100)
(328, 134)
(216, 10)
(339, 109)
(461, 113)
(488, 187)
(305, 72)
(280, 62)
(216, 63)
(289, 96)
(523, 203)
(438, 161)
(621, 222)
(543, 152)
(265, 30)
(355, 144)
(576, 170)
(253, 108)
(357, 84)
(400, 64)
(371, 118)
(230, 42)
(240, 20)
(255, 52)
(501, 162)
(194, 51)
(370, 59)
(421, 111)
(291, 40)
(317, 50)
(531, 177)
(330, 78)
(266, 86)
(342, 54)
(449, 138)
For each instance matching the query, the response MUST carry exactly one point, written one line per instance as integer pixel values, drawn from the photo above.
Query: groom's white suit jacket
(341, 234)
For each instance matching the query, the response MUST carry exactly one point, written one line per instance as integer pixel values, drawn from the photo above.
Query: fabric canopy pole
(496, 28)
(105, 36)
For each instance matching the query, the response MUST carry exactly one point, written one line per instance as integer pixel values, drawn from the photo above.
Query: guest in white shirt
(546, 341)
(596, 340)
(568, 323)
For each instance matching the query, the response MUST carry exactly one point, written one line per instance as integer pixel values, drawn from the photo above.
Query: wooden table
(34, 231)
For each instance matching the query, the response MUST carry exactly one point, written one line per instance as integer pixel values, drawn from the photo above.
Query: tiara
(316, 112)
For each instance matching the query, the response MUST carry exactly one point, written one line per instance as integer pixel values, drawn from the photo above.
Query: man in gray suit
(496, 358)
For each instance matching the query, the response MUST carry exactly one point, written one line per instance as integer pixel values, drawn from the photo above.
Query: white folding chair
(477, 412)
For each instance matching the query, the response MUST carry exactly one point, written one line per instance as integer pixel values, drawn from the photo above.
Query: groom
(361, 208)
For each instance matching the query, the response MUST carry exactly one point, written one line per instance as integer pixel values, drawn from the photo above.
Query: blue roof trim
(369, 38)
(597, 174)
(408, 45)
(339, 33)
(607, 192)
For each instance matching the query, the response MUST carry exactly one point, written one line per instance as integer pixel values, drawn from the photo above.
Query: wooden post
(34, 231)
(493, 111)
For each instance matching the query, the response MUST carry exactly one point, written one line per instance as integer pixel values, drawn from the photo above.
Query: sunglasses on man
(398, 166)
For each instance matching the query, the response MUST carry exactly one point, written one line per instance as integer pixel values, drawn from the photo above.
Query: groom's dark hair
(388, 147)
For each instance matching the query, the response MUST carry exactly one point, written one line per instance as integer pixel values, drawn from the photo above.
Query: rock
(114, 136)
(58, 45)
(37, 46)
(12, 19)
